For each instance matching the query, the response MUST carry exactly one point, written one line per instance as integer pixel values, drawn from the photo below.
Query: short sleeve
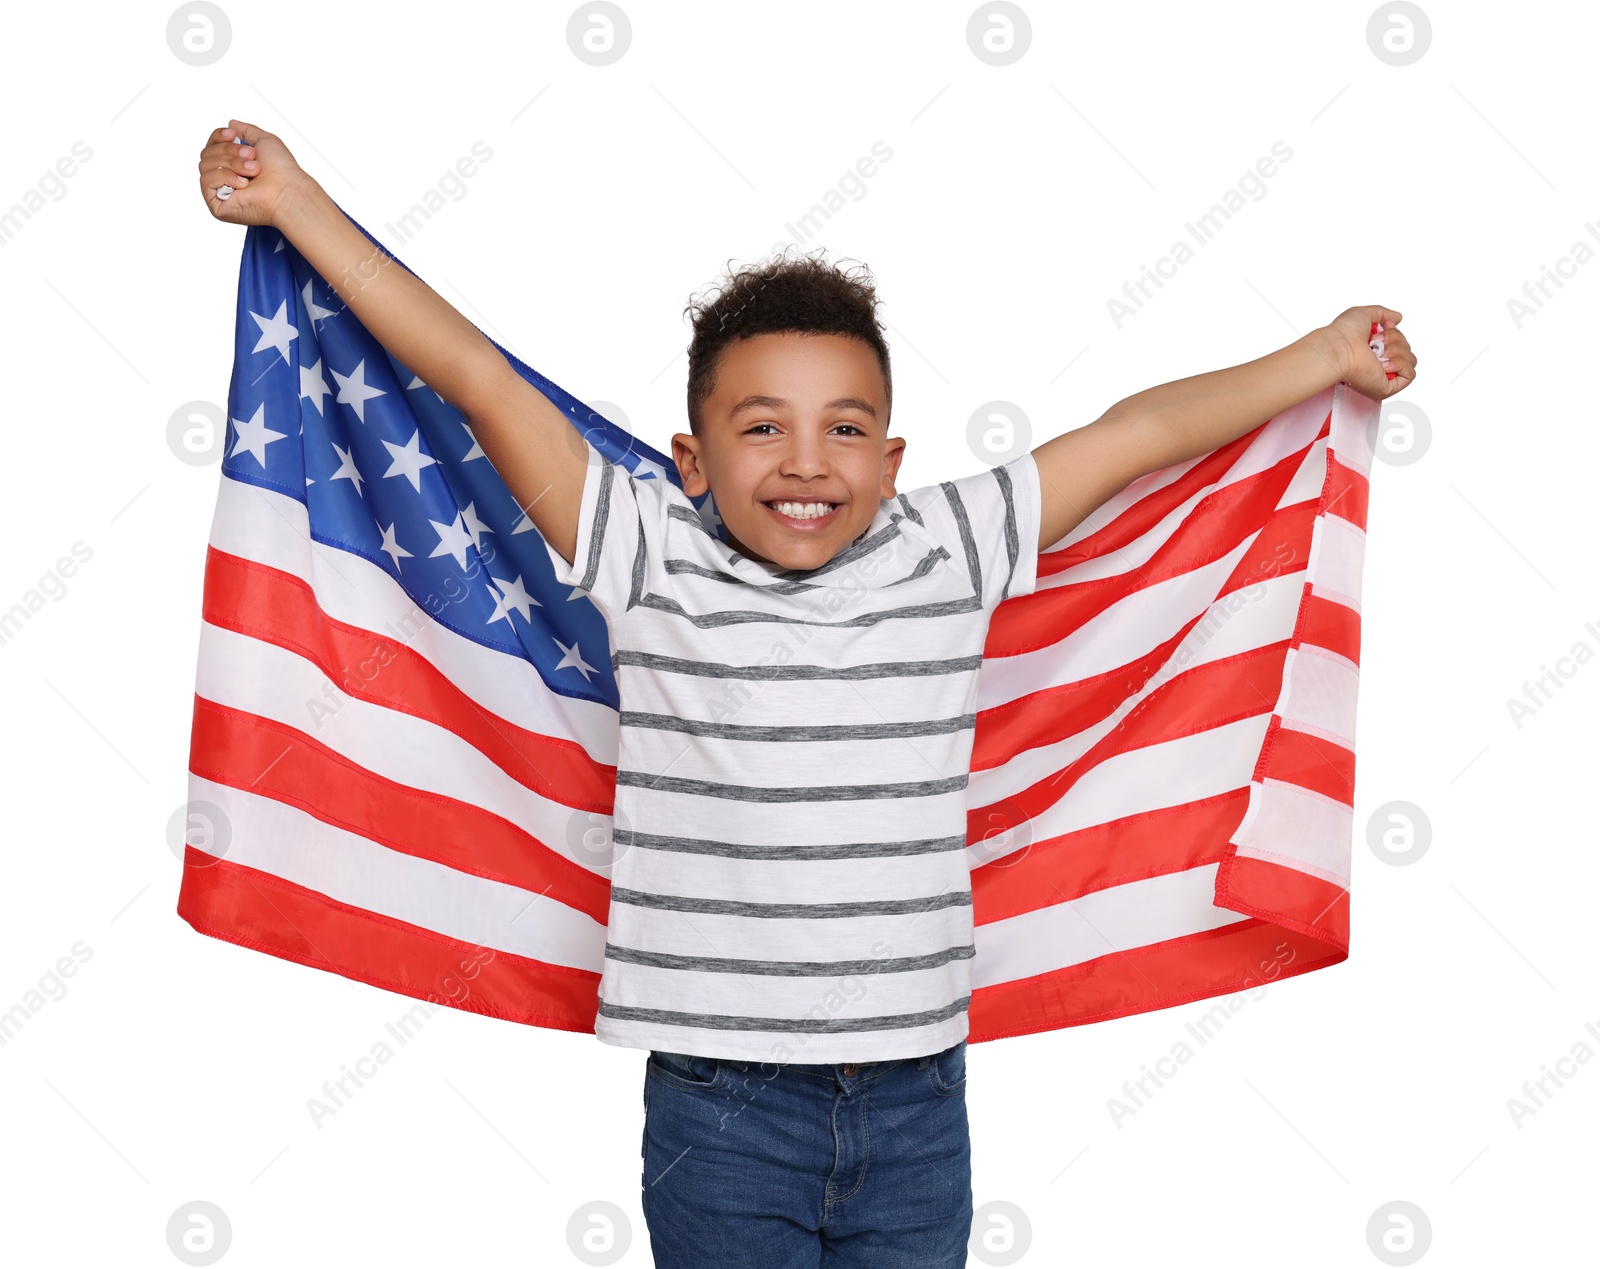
(615, 522)
(995, 517)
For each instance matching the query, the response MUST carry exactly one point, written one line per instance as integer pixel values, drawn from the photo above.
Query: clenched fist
(258, 170)
(1353, 336)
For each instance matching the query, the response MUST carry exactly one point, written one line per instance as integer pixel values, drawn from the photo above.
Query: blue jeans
(817, 1166)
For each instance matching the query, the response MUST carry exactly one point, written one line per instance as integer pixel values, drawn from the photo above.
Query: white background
(1018, 200)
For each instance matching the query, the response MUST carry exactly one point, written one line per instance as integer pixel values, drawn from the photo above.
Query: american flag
(405, 731)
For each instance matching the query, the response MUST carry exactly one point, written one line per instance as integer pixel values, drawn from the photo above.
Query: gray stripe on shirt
(1013, 548)
(736, 617)
(969, 544)
(820, 731)
(806, 851)
(791, 793)
(597, 532)
(790, 969)
(811, 1026)
(794, 672)
(674, 565)
(792, 911)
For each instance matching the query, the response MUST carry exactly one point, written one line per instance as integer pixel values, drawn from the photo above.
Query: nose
(803, 457)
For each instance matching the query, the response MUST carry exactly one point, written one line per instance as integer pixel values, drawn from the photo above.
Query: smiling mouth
(810, 512)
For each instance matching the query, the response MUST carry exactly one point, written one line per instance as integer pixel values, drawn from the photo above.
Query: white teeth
(803, 510)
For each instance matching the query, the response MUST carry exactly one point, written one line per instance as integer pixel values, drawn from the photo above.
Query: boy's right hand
(262, 174)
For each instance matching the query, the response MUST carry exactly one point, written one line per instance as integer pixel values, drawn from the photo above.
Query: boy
(790, 927)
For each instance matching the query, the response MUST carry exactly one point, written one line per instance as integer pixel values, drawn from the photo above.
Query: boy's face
(796, 418)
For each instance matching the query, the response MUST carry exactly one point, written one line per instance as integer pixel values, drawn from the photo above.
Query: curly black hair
(781, 294)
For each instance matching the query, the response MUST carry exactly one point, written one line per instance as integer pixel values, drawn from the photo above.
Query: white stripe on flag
(1355, 427)
(1319, 696)
(1172, 773)
(284, 841)
(1298, 828)
(263, 678)
(1116, 919)
(1337, 550)
(272, 529)
(1253, 617)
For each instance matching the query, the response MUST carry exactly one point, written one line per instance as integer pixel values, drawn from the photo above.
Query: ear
(894, 449)
(686, 454)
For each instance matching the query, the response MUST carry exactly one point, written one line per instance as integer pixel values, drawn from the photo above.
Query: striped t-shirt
(790, 880)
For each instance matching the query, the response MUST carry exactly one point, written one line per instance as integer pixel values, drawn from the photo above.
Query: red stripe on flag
(1279, 544)
(1198, 700)
(1149, 844)
(265, 757)
(279, 608)
(1312, 762)
(1234, 958)
(255, 909)
(1329, 624)
(1055, 713)
(1345, 493)
(1282, 546)
(1294, 900)
(1148, 512)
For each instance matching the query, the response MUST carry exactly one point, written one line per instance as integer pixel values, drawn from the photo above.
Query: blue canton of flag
(389, 471)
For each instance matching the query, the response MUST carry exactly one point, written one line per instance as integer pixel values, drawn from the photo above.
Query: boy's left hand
(1349, 337)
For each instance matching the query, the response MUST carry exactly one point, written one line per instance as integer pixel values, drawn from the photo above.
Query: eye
(751, 430)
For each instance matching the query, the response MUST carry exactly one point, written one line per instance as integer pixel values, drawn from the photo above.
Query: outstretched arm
(1177, 421)
(532, 444)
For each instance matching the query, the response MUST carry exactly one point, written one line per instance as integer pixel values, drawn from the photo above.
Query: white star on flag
(318, 313)
(475, 526)
(512, 595)
(353, 390)
(313, 385)
(573, 658)
(347, 468)
(276, 331)
(409, 460)
(393, 548)
(255, 436)
(453, 540)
